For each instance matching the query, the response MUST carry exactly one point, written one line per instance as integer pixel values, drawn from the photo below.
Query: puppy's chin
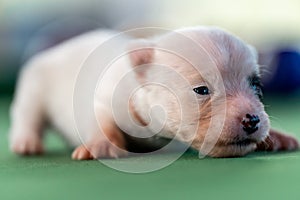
(232, 149)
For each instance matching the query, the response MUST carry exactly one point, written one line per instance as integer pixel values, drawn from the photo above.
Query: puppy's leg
(277, 141)
(110, 145)
(27, 115)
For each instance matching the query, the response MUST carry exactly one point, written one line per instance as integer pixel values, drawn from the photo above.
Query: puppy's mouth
(233, 148)
(237, 143)
(241, 143)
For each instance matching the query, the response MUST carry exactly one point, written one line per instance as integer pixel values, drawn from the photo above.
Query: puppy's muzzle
(250, 123)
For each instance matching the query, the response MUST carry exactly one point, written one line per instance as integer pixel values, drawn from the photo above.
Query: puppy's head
(211, 84)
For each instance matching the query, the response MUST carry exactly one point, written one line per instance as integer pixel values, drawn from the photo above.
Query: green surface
(56, 176)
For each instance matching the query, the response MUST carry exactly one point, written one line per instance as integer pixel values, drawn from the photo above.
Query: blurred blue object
(285, 74)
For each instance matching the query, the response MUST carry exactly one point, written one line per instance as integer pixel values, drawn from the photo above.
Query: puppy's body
(45, 94)
(47, 83)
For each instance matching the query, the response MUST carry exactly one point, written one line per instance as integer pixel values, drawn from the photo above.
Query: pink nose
(250, 123)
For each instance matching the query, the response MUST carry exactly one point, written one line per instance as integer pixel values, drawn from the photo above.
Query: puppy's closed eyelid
(254, 78)
(255, 84)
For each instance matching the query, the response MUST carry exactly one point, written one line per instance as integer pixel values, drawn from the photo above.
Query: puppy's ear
(141, 52)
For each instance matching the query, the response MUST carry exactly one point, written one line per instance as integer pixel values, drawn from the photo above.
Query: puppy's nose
(250, 123)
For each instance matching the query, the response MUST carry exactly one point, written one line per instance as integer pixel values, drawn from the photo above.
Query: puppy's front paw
(278, 142)
(81, 153)
(26, 144)
(100, 149)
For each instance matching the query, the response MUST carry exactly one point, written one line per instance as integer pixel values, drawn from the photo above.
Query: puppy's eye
(202, 90)
(255, 84)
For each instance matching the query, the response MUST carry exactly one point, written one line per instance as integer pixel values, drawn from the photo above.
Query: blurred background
(273, 27)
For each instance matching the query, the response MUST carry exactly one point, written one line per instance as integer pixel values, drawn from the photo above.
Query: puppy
(203, 81)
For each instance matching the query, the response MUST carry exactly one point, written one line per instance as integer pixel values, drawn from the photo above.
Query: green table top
(56, 176)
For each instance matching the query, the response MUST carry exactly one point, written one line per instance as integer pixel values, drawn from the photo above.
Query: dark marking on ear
(141, 52)
(141, 56)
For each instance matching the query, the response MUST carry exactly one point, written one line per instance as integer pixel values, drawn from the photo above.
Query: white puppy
(215, 79)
